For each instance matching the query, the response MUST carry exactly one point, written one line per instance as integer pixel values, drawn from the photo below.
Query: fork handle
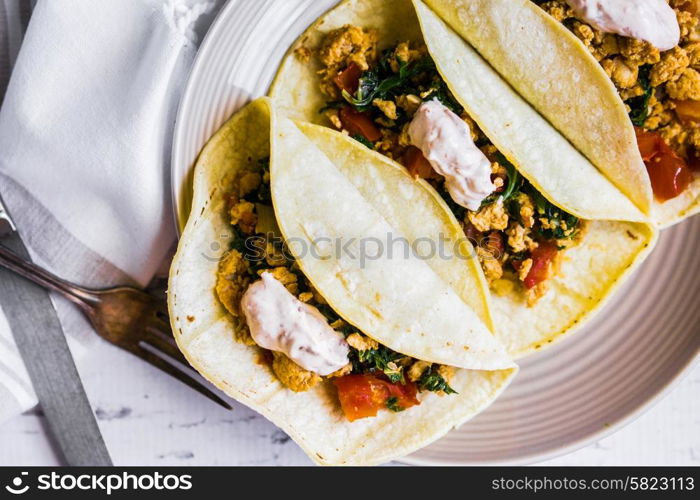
(42, 277)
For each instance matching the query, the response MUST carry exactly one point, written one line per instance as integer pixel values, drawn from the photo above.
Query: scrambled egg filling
(253, 252)
(510, 224)
(639, 70)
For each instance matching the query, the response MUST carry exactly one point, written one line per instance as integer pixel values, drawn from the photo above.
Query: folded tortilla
(618, 239)
(554, 71)
(312, 195)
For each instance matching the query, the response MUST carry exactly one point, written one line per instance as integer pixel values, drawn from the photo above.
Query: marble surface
(147, 418)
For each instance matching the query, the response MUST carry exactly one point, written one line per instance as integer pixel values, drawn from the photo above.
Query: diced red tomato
(359, 123)
(349, 78)
(541, 257)
(669, 173)
(648, 143)
(417, 164)
(688, 111)
(363, 396)
(495, 244)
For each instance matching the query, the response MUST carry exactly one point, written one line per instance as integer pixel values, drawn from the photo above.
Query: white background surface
(149, 419)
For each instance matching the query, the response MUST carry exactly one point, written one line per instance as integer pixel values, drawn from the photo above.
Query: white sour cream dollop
(280, 322)
(446, 142)
(653, 21)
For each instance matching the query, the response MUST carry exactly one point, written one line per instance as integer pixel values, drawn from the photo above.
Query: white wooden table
(149, 419)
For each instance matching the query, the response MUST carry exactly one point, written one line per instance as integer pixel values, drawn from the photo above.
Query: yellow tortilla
(591, 272)
(204, 331)
(291, 88)
(408, 301)
(607, 253)
(539, 152)
(554, 71)
(677, 209)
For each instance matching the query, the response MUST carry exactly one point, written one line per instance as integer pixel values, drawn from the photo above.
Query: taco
(620, 79)
(352, 361)
(553, 235)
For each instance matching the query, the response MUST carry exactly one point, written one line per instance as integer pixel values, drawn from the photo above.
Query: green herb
(393, 404)
(525, 254)
(238, 240)
(382, 359)
(515, 182)
(363, 140)
(381, 82)
(431, 380)
(514, 179)
(332, 105)
(327, 311)
(346, 329)
(639, 106)
(563, 224)
(442, 93)
(513, 208)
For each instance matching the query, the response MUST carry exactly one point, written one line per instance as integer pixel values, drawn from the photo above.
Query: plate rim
(183, 105)
(583, 442)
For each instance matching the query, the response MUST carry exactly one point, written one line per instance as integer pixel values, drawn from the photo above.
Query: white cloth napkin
(85, 133)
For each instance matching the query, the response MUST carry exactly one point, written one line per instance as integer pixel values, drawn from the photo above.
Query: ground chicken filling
(372, 368)
(660, 89)
(519, 236)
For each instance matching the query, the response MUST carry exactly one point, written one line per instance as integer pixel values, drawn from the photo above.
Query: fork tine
(176, 373)
(160, 325)
(165, 345)
(161, 322)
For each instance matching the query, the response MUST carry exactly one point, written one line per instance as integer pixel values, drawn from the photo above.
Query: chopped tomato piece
(363, 396)
(349, 78)
(542, 257)
(417, 164)
(494, 244)
(405, 394)
(359, 123)
(648, 143)
(668, 172)
(688, 111)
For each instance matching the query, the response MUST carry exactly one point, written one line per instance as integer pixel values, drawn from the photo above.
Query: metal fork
(128, 318)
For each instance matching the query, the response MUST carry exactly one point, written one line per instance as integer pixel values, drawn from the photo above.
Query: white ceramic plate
(573, 394)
